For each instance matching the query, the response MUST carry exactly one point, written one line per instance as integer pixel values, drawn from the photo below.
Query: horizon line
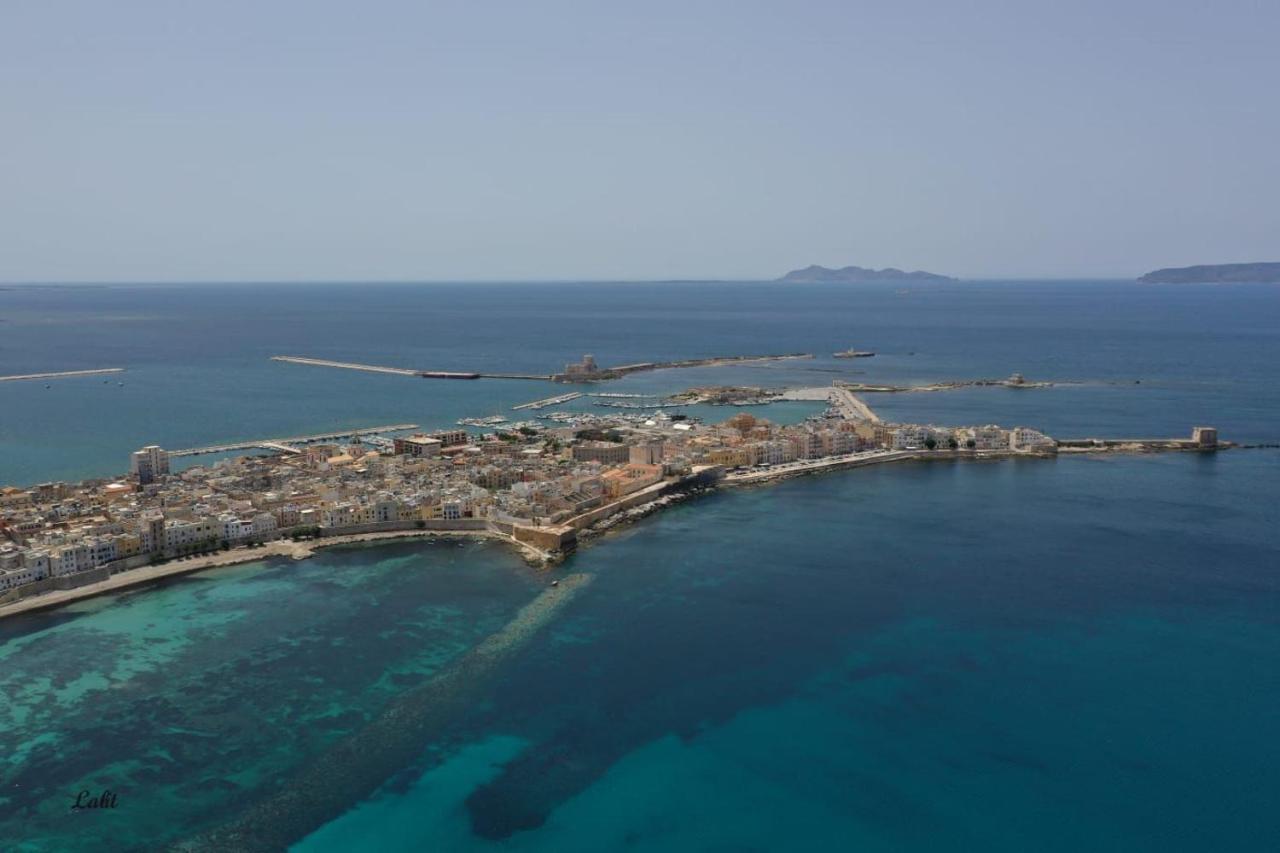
(604, 280)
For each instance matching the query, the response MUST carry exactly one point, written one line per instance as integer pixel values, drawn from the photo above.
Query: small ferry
(852, 353)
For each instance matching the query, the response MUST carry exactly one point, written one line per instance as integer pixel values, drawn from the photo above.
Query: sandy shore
(279, 548)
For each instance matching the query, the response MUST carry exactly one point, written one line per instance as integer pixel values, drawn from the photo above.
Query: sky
(283, 140)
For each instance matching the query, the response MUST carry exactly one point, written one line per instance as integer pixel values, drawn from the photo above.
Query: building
(585, 368)
(1026, 439)
(451, 437)
(1204, 436)
(149, 464)
(646, 453)
(418, 446)
(604, 452)
(630, 478)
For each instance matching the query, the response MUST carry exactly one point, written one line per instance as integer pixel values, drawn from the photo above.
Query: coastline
(534, 556)
(224, 559)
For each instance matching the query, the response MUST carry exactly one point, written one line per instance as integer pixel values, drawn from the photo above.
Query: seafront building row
(59, 535)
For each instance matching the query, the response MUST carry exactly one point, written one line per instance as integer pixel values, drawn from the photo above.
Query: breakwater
(621, 370)
(587, 376)
(355, 767)
(549, 401)
(61, 374)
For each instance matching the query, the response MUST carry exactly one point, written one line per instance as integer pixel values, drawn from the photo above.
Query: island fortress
(535, 486)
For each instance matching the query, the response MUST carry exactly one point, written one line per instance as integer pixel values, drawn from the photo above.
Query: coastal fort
(540, 486)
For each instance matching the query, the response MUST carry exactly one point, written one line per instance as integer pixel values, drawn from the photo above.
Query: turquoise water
(1081, 653)
(1021, 666)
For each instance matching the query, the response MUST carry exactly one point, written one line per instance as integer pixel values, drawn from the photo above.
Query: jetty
(285, 445)
(406, 371)
(549, 401)
(840, 396)
(586, 372)
(61, 374)
(345, 365)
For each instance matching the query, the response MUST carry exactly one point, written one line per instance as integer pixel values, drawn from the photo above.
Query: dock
(284, 445)
(549, 401)
(839, 396)
(61, 374)
(850, 407)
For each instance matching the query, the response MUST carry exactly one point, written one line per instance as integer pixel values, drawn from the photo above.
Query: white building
(149, 464)
(1027, 439)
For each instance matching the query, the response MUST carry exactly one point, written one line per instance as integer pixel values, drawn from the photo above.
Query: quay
(850, 407)
(840, 396)
(549, 401)
(61, 374)
(283, 445)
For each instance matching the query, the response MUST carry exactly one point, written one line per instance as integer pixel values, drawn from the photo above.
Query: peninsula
(815, 274)
(1256, 273)
(542, 485)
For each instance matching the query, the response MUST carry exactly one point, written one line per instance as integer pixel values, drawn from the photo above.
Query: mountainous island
(1260, 273)
(852, 275)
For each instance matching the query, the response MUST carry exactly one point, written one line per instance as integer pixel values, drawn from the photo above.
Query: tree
(952, 443)
(971, 444)
(930, 442)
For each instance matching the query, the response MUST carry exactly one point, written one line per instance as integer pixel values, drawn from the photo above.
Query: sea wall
(385, 526)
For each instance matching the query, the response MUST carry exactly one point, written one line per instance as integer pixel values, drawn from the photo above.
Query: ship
(852, 353)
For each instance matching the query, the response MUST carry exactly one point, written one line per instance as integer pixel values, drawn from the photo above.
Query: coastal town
(538, 484)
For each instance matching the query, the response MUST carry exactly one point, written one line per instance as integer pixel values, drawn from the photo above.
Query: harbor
(284, 445)
(549, 401)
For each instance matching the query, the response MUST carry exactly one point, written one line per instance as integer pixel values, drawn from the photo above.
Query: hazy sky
(523, 140)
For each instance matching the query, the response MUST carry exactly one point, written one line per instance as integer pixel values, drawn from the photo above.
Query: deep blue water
(1049, 655)
(199, 370)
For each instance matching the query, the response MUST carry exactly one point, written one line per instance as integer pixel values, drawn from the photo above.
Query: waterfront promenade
(130, 578)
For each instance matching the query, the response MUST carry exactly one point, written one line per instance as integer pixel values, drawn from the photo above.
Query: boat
(852, 353)
(492, 420)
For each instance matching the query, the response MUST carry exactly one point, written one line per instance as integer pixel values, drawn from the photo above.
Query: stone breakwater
(354, 768)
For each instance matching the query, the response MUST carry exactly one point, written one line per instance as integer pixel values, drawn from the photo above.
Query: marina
(284, 444)
(549, 401)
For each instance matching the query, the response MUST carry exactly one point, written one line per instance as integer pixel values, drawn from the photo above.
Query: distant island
(848, 275)
(1260, 273)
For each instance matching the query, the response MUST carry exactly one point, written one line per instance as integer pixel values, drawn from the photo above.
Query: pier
(841, 398)
(61, 374)
(406, 371)
(642, 366)
(850, 407)
(345, 365)
(592, 375)
(549, 401)
(284, 445)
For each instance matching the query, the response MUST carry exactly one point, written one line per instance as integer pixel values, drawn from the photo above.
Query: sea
(1080, 653)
